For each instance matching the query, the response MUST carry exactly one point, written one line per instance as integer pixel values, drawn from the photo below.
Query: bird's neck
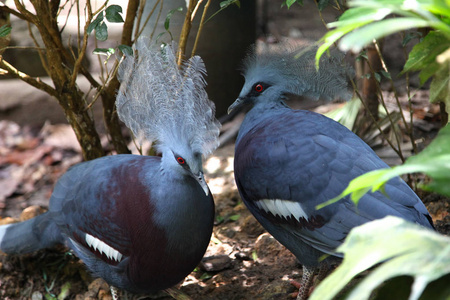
(259, 113)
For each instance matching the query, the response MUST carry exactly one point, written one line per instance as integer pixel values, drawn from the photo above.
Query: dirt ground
(242, 261)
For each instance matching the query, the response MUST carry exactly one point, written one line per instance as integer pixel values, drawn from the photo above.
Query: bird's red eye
(181, 160)
(259, 88)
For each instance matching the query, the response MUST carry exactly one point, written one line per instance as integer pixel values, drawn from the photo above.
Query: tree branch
(185, 31)
(37, 83)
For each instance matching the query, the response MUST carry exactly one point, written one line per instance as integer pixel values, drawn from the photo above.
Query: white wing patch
(282, 208)
(102, 247)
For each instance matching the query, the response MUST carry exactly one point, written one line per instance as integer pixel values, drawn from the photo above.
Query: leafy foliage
(111, 14)
(418, 252)
(430, 56)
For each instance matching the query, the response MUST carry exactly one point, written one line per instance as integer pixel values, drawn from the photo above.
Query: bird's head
(187, 162)
(273, 73)
(168, 104)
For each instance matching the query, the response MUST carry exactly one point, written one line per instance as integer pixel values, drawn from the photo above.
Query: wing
(284, 176)
(91, 204)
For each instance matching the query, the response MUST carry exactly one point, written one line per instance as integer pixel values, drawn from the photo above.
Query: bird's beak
(201, 180)
(239, 102)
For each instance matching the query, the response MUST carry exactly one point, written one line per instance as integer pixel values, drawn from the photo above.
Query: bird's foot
(296, 295)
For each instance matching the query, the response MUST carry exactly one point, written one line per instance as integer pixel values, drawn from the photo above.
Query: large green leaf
(95, 23)
(101, 32)
(434, 161)
(423, 55)
(358, 39)
(356, 32)
(112, 14)
(440, 86)
(402, 248)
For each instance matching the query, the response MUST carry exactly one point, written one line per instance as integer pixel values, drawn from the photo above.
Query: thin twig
(200, 28)
(194, 12)
(185, 32)
(39, 49)
(67, 17)
(408, 93)
(11, 11)
(82, 52)
(157, 20)
(320, 14)
(138, 30)
(140, 12)
(78, 25)
(22, 47)
(37, 83)
(110, 77)
(383, 103)
(99, 9)
(383, 63)
(355, 88)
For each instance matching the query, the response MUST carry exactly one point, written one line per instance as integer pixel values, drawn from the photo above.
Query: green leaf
(112, 14)
(423, 55)
(95, 23)
(235, 217)
(410, 36)
(5, 30)
(219, 219)
(65, 291)
(169, 15)
(346, 115)
(101, 32)
(386, 74)
(127, 50)
(358, 39)
(359, 16)
(322, 4)
(254, 256)
(402, 248)
(49, 296)
(205, 276)
(289, 3)
(225, 4)
(377, 77)
(103, 51)
(349, 21)
(440, 86)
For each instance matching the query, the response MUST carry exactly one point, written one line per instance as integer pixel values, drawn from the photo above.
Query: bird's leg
(114, 293)
(305, 284)
(324, 269)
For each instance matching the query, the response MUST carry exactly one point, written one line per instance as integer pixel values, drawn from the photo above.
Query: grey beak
(239, 101)
(201, 180)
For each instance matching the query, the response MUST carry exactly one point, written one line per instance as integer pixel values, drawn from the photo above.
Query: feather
(166, 104)
(295, 69)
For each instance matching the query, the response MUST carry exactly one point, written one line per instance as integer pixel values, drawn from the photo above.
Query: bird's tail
(29, 236)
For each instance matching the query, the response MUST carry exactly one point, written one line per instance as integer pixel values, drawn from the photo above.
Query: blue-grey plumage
(289, 161)
(142, 223)
(135, 223)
